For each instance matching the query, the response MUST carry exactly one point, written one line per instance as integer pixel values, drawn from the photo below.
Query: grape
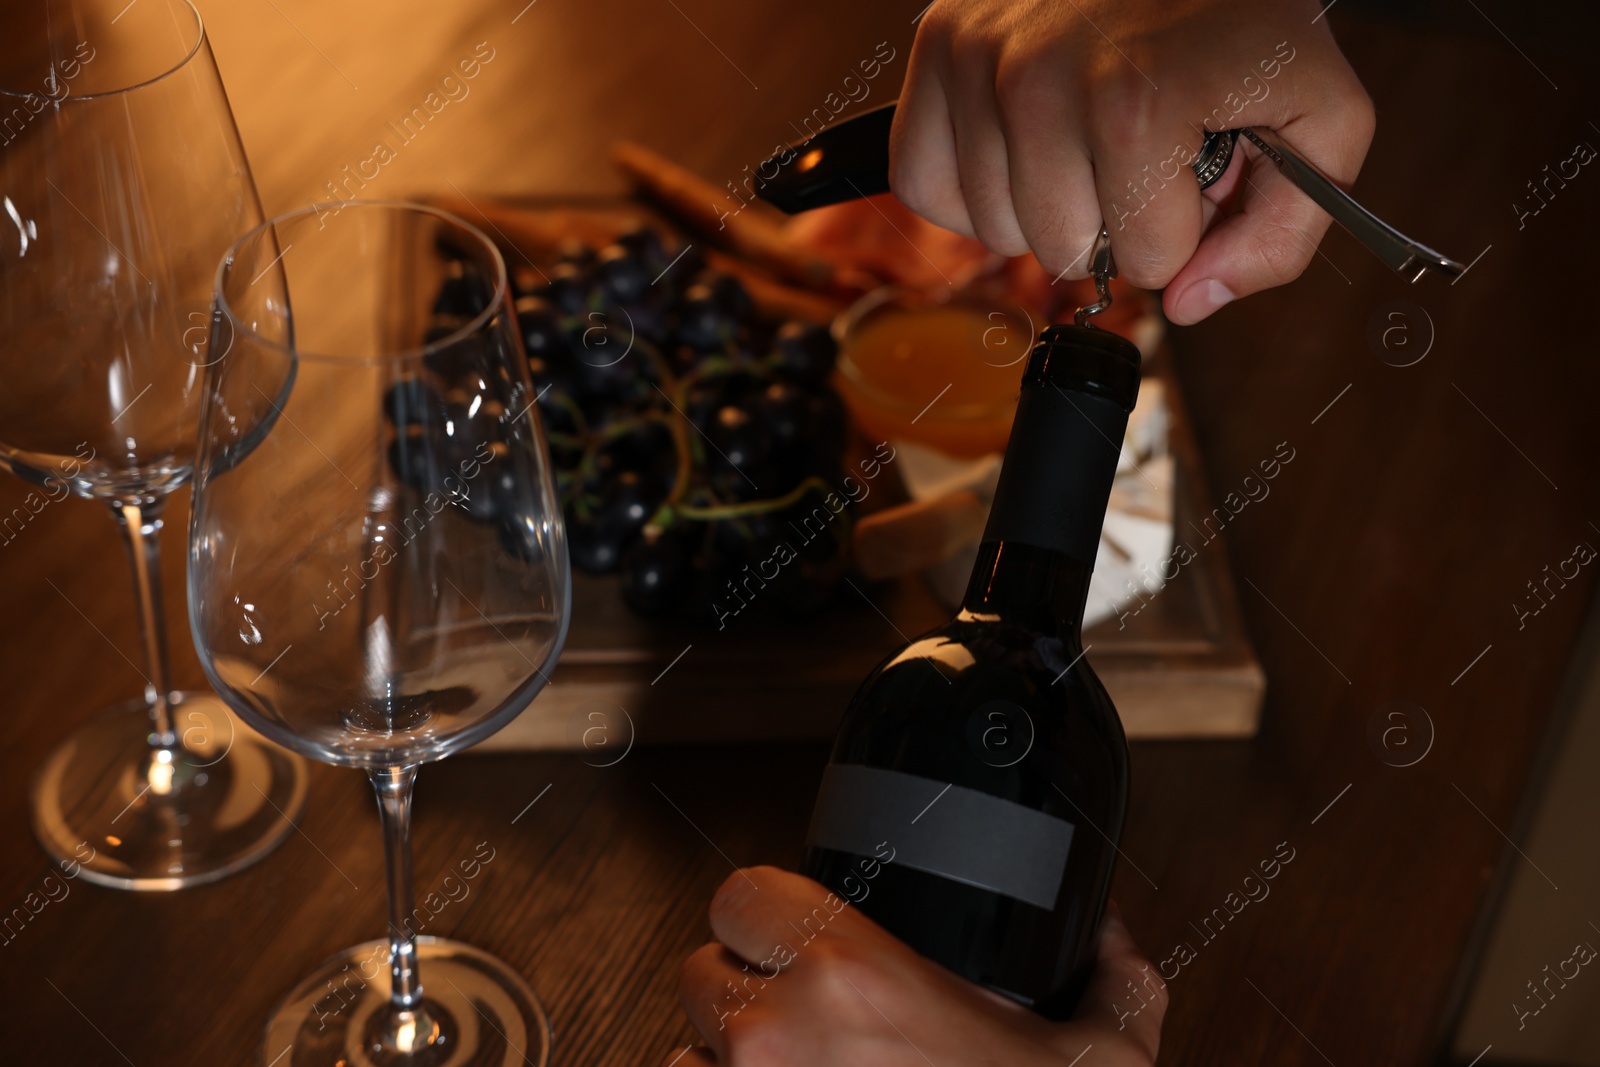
(715, 391)
(551, 385)
(624, 277)
(576, 252)
(647, 451)
(645, 243)
(630, 501)
(457, 360)
(464, 293)
(605, 369)
(829, 425)
(595, 544)
(543, 336)
(415, 457)
(411, 400)
(479, 498)
(741, 440)
(804, 352)
(730, 292)
(705, 323)
(655, 573)
(786, 412)
(526, 281)
(570, 287)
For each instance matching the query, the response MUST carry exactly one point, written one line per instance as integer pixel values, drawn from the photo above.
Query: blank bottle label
(947, 830)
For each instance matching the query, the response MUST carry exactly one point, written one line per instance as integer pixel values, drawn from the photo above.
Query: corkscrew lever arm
(1410, 258)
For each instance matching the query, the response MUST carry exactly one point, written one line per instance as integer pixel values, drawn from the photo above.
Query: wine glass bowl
(388, 547)
(122, 181)
(378, 573)
(117, 198)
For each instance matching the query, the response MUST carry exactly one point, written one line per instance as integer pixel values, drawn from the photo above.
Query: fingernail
(1200, 300)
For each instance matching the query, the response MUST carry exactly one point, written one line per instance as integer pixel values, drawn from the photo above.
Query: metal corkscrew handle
(1102, 268)
(1412, 259)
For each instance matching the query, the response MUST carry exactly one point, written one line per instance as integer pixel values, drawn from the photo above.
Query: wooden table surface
(1382, 567)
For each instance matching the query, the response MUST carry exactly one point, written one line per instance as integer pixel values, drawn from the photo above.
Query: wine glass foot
(475, 1010)
(114, 810)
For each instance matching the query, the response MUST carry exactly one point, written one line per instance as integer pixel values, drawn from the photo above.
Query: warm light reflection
(809, 160)
(955, 656)
(977, 616)
(160, 774)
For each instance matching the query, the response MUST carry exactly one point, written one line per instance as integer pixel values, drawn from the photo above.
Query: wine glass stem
(140, 523)
(394, 787)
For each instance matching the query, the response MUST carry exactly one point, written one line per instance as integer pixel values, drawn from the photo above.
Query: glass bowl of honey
(943, 372)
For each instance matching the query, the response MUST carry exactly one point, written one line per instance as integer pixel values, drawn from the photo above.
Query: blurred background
(1395, 566)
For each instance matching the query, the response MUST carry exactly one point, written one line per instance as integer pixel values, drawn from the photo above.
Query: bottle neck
(1029, 586)
(1049, 505)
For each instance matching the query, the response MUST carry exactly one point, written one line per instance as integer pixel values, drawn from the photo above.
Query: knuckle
(1029, 86)
(1123, 106)
(968, 49)
(936, 22)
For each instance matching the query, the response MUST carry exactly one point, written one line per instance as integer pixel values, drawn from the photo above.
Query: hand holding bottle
(1028, 122)
(798, 977)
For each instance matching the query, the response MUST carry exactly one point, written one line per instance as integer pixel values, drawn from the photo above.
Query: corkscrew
(1102, 268)
(850, 160)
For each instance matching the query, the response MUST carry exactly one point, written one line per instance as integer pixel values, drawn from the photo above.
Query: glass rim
(461, 333)
(188, 57)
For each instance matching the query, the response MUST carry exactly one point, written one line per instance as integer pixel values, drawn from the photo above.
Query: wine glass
(122, 181)
(378, 572)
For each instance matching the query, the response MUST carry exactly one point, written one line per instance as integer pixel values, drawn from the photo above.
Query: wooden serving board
(1182, 667)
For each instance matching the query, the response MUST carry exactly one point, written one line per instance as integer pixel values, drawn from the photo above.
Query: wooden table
(1382, 567)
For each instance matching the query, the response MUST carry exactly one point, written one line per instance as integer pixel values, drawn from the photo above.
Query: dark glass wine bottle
(980, 775)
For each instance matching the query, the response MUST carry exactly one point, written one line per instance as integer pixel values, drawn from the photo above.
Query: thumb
(1274, 235)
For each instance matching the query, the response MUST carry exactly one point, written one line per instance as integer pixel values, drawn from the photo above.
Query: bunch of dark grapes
(454, 446)
(698, 447)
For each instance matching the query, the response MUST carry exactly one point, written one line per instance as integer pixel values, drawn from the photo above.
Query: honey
(945, 375)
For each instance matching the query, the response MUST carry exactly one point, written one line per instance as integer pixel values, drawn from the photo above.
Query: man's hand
(1026, 123)
(797, 978)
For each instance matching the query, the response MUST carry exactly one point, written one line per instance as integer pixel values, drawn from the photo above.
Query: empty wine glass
(122, 181)
(377, 570)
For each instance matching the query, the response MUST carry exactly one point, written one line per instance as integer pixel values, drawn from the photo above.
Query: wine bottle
(979, 779)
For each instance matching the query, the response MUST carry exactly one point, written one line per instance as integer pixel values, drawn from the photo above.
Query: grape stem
(676, 390)
(753, 507)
